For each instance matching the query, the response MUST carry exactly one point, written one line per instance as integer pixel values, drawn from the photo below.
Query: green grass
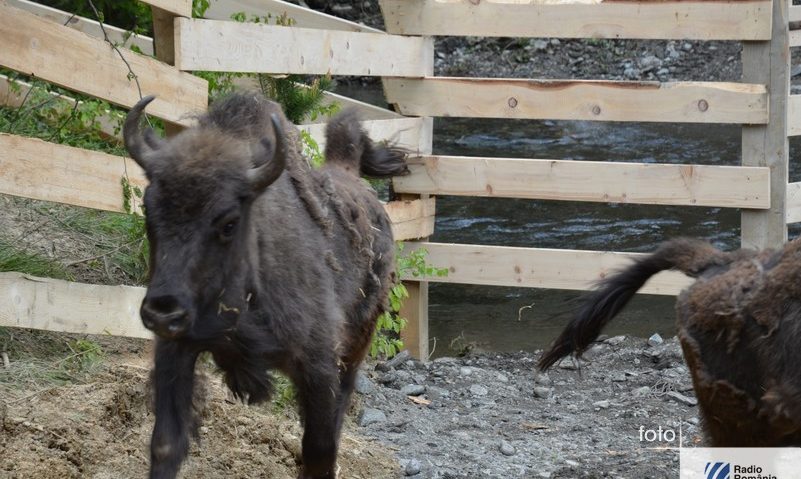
(16, 258)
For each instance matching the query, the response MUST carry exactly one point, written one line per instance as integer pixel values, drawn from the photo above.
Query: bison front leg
(317, 391)
(173, 379)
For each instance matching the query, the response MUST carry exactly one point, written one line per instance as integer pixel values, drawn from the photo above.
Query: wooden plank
(86, 25)
(110, 123)
(794, 115)
(768, 63)
(415, 310)
(403, 132)
(35, 46)
(795, 14)
(411, 219)
(608, 182)
(47, 171)
(56, 305)
(794, 203)
(683, 102)
(795, 38)
(302, 17)
(249, 47)
(536, 268)
(643, 19)
(181, 8)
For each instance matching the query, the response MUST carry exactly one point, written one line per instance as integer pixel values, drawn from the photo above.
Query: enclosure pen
(48, 44)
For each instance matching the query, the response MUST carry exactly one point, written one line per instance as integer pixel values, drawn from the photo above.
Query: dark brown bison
(740, 328)
(264, 262)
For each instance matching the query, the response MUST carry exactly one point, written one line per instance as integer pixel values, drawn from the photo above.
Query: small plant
(386, 340)
(14, 258)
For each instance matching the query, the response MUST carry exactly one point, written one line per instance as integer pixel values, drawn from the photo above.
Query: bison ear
(140, 145)
(271, 156)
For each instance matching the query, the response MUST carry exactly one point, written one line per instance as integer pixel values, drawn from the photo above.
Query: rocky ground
(493, 416)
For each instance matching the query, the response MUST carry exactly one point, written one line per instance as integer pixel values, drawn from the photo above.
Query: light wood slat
(109, 123)
(249, 47)
(795, 38)
(63, 306)
(645, 19)
(86, 25)
(74, 60)
(794, 203)
(181, 8)
(47, 171)
(794, 115)
(303, 17)
(411, 219)
(682, 102)
(536, 268)
(795, 13)
(642, 183)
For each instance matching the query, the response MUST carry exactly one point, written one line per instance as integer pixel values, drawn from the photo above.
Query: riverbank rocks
(371, 416)
(413, 390)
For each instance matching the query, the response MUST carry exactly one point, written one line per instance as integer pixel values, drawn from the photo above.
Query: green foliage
(285, 395)
(386, 340)
(14, 258)
(128, 14)
(85, 355)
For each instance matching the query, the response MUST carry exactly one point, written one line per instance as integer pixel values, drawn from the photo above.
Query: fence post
(768, 63)
(164, 48)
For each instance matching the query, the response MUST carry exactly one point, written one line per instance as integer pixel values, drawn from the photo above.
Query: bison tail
(600, 306)
(349, 146)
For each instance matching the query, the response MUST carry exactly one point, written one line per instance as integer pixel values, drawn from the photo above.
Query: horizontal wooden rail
(534, 267)
(681, 102)
(643, 183)
(250, 47)
(86, 25)
(301, 17)
(46, 171)
(38, 47)
(644, 19)
(181, 8)
(794, 203)
(412, 219)
(63, 306)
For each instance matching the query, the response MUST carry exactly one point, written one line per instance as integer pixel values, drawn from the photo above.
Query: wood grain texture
(411, 219)
(536, 268)
(55, 305)
(71, 59)
(181, 8)
(645, 19)
(768, 63)
(250, 47)
(682, 102)
(301, 16)
(794, 203)
(643, 183)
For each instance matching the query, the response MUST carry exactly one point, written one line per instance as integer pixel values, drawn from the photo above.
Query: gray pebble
(371, 416)
(413, 467)
(655, 340)
(363, 384)
(413, 390)
(679, 397)
(478, 390)
(601, 404)
(507, 449)
(543, 392)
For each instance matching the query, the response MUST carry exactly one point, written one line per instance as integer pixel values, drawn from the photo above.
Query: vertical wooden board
(794, 115)
(640, 19)
(415, 310)
(251, 47)
(302, 17)
(55, 305)
(181, 8)
(71, 59)
(595, 100)
(768, 63)
(794, 203)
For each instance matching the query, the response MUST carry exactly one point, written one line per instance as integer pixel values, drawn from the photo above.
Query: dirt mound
(101, 430)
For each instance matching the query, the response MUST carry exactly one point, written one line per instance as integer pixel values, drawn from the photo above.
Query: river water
(491, 318)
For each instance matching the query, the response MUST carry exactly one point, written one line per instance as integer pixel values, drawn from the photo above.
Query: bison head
(197, 207)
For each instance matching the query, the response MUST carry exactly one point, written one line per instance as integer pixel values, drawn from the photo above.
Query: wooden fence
(49, 44)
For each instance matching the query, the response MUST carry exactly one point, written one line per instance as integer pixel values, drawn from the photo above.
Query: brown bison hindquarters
(745, 372)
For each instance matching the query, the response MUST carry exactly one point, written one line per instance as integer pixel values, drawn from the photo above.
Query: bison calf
(740, 329)
(264, 262)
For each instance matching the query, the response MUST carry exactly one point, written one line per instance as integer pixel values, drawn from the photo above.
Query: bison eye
(227, 231)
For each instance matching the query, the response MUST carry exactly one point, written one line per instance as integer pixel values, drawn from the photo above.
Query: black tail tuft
(603, 304)
(349, 146)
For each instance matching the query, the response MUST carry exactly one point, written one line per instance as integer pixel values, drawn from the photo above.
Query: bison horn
(262, 176)
(140, 145)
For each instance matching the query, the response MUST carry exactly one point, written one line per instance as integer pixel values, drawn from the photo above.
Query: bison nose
(165, 316)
